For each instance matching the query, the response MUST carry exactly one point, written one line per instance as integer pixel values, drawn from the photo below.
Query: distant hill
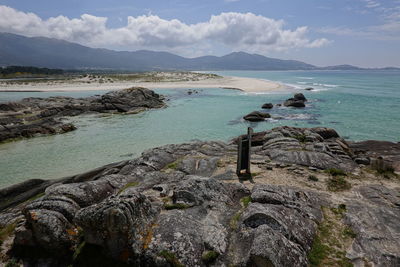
(53, 53)
(341, 67)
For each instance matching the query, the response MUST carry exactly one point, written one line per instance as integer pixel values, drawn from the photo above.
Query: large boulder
(297, 101)
(120, 224)
(130, 99)
(294, 103)
(256, 116)
(48, 225)
(277, 228)
(299, 96)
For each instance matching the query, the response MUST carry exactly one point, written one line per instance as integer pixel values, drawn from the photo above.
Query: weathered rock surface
(374, 216)
(174, 206)
(33, 116)
(314, 147)
(256, 116)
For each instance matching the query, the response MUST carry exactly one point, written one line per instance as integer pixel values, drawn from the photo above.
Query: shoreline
(249, 85)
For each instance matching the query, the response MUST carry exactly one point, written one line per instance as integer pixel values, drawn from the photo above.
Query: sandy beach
(238, 83)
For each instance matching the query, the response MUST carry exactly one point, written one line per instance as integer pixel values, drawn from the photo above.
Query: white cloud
(236, 31)
(371, 4)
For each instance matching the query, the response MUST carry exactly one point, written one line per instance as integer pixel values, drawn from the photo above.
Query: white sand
(239, 83)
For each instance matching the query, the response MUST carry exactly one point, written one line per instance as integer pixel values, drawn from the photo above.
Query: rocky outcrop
(182, 205)
(297, 101)
(256, 116)
(37, 116)
(321, 148)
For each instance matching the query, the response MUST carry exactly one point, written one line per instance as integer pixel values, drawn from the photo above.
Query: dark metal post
(244, 153)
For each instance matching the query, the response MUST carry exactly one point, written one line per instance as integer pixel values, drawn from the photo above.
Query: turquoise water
(360, 105)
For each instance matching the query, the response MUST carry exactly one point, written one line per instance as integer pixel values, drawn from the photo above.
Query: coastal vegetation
(38, 76)
(171, 258)
(338, 183)
(332, 240)
(24, 71)
(209, 256)
(128, 185)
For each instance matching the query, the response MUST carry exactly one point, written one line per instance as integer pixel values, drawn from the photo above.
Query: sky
(365, 33)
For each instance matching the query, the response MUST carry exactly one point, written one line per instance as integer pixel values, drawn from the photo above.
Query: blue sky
(321, 32)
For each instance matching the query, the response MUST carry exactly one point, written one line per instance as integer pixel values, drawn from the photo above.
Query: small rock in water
(309, 89)
(127, 155)
(267, 106)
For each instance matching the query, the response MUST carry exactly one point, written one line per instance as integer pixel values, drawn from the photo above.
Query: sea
(360, 105)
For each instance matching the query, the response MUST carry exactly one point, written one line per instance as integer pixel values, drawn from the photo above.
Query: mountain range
(18, 50)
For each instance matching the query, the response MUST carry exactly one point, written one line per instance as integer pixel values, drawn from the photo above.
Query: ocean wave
(265, 92)
(293, 86)
(317, 87)
(273, 120)
(326, 85)
(305, 78)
